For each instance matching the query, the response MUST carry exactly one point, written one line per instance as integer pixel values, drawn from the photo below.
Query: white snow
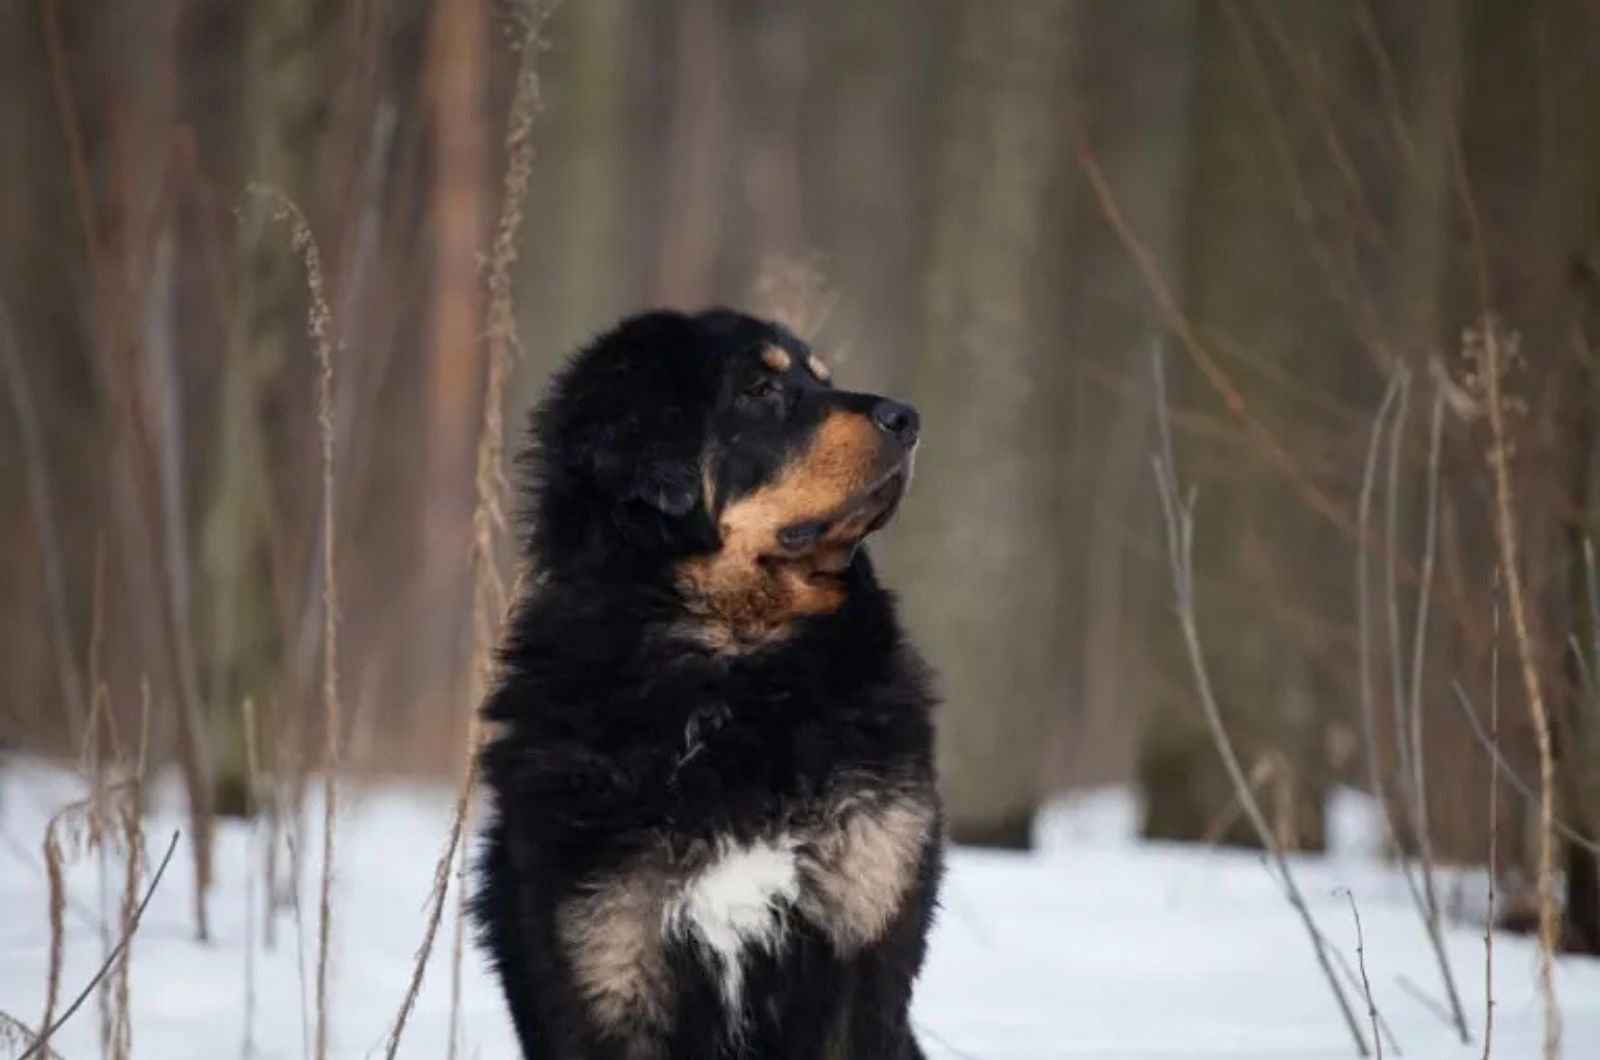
(1095, 946)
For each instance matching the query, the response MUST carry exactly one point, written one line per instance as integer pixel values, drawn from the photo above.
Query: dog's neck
(739, 603)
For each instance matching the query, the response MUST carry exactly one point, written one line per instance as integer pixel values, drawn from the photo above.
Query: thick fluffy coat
(714, 831)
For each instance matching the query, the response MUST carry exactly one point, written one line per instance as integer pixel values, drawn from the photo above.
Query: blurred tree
(864, 160)
(1254, 300)
(263, 329)
(1132, 87)
(982, 570)
(1531, 156)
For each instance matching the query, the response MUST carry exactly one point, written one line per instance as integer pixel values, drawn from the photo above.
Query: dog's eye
(802, 535)
(766, 388)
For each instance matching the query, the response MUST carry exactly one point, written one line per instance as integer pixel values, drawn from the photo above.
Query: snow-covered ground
(1095, 946)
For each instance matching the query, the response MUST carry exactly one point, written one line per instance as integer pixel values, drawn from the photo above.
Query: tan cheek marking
(749, 600)
(612, 936)
(776, 358)
(818, 369)
(861, 865)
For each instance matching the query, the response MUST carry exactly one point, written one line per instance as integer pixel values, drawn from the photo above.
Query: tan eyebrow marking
(776, 359)
(818, 369)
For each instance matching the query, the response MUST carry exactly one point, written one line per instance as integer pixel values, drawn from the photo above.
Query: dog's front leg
(880, 1010)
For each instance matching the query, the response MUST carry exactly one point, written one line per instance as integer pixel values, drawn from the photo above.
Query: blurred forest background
(1001, 211)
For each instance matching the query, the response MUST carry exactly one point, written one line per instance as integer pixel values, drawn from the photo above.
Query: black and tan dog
(715, 832)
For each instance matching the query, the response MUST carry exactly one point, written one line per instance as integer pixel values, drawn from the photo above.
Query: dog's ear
(659, 471)
(671, 486)
(619, 440)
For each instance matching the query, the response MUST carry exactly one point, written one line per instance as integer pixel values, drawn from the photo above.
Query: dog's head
(717, 447)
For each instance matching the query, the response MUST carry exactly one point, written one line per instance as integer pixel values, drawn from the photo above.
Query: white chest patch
(740, 901)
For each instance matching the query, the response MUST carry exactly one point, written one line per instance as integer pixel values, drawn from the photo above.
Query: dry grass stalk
(319, 325)
(121, 1045)
(54, 861)
(1494, 825)
(16, 1036)
(79, 826)
(284, 819)
(489, 525)
(1495, 353)
(1178, 514)
(100, 710)
(293, 840)
(330, 631)
(41, 1044)
(252, 786)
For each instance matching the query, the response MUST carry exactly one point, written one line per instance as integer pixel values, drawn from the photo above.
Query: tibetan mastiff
(714, 831)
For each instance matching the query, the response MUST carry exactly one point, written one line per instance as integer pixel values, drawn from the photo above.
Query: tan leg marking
(612, 937)
(860, 865)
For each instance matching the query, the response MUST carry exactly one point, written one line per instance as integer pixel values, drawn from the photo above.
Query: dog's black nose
(896, 419)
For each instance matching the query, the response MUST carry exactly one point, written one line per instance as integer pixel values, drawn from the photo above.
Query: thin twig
(1179, 521)
(1352, 978)
(1369, 723)
(944, 1043)
(1419, 636)
(1361, 963)
(127, 934)
(1397, 687)
(1410, 792)
(1412, 741)
(1183, 329)
(1505, 769)
(1591, 579)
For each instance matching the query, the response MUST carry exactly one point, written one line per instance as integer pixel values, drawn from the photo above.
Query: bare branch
(1397, 700)
(127, 934)
(1504, 768)
(1179, 521)
(1411, 786)
(1411, 741)
(1494, 818)
(1361, 962)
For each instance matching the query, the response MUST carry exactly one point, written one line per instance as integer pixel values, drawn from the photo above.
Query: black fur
(615, 735)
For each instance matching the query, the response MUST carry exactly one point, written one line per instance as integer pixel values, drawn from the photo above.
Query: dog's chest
(841, 873)
(738, 903)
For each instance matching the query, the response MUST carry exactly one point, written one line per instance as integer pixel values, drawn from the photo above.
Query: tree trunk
(982, 593)
(1262, 313)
